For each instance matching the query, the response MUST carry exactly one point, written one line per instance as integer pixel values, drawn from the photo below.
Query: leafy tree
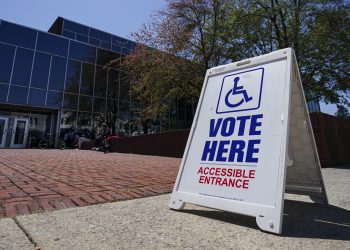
(342, 112)
(189, 36)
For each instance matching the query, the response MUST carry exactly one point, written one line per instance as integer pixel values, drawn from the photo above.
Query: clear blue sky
(119, 17)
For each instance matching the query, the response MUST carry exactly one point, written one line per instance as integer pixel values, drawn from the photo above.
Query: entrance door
(3, 131)
(19, 133)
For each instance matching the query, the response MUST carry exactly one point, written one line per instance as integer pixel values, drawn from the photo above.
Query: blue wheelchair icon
(237, 90)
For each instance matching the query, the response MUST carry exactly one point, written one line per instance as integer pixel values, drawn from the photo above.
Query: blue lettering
(237, 150)
(222, 150)
(214, 127)
(251, 149)
(254, 124)
(209, 149)
(242, 120)
(228, 126)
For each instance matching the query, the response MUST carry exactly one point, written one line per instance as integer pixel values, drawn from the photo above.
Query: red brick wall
(332, 135)
(170, 144)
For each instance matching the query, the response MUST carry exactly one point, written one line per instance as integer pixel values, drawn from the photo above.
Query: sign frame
(268, 218)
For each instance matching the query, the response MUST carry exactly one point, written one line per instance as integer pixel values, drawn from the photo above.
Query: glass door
(19, 133)
(3, 131)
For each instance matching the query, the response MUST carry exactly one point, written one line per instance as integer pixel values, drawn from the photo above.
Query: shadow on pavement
(301, 220)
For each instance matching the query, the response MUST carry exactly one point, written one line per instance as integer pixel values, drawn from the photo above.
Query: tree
(189, 36)
(174, 51)
(342, 112)
(320, 41)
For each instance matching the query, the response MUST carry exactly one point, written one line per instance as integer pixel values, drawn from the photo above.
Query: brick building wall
(332, 136)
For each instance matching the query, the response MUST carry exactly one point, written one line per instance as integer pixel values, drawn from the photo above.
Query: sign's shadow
(300, 219)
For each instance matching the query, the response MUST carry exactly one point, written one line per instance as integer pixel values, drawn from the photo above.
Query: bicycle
(49, 142)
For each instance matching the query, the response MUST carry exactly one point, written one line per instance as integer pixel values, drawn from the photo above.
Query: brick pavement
(34, 180)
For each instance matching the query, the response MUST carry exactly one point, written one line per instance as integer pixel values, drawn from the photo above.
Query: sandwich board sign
(250, 142)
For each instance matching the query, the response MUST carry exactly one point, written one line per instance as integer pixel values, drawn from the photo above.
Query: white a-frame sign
(251, 140)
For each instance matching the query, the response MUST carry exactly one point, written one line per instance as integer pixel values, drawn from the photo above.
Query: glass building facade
(70, 77)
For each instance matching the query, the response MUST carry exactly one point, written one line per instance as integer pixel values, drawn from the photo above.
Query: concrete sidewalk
(148, 224)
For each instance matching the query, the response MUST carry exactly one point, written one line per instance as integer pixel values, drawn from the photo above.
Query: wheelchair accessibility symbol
(237, 90)
(241, 91)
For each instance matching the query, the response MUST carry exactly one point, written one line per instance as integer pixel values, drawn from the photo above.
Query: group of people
(76, 139)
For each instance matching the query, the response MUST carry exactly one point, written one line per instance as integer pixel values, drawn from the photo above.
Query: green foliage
(189, 36)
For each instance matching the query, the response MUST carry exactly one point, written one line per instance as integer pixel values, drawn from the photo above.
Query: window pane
(107, 58)
(6, 60)
(23, 66)
(52, 44)
(82, 38)
(82, 52)
(123, 119)
(73, 76)
(113, 84)
(57, 73)
(117, 48)
(18, 35)
(18, 95)
(87, 79)
(40, 70)
(3, 92)
(84, 120)
(76, 27)
(54, 99)
(100, 35)
(118, 40)
(70, 101)
(112, 106)
(100, 82)
(37, 97)
(68, 34)
(124, 87)
(94, 41)
(68, 120)
(105, 45)
(99, 105)
(85, 103)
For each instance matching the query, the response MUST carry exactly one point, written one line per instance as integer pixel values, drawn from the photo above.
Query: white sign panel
(236, 155)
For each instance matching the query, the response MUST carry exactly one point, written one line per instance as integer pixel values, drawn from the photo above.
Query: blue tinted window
(109, 58)
(54, 99)
(85, 103)
(37, 97)
(82, 38)
(100, 82)
(73, 76)
(94, 41)
(87, 79)
(84, 120)
(100, 35)
(105, 45)
(82, 52)
(118, 40)
(125, 51)
(70, 101)
(113, 84)
(124, 87)
(52, 44)
(68, 34)
(76, 27)
(57, 73)
(18, 35)
(18, 95)
(23, 67)
(117, 48)
(6, 60)
(40, 73)
(99, 105)
(3, 92)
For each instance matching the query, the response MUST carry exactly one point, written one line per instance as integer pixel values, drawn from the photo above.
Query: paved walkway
(148, 224)
(34, 180)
